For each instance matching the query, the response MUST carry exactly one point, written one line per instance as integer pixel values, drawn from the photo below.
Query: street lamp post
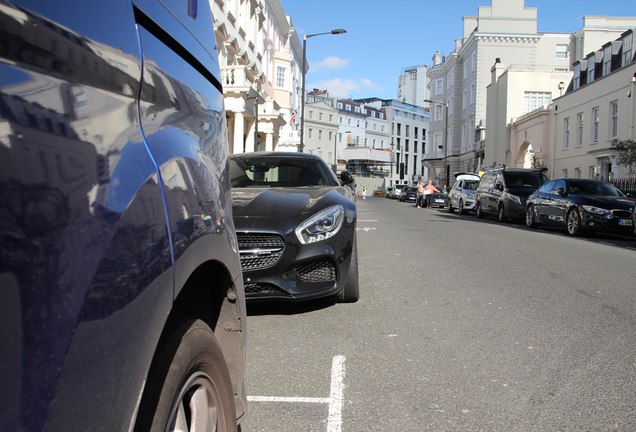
(301, 147)
(446, 136)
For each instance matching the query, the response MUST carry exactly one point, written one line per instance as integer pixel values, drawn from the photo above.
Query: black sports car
(296, 227)
(580, 206)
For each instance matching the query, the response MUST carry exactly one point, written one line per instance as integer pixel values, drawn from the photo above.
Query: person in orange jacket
(428, 190)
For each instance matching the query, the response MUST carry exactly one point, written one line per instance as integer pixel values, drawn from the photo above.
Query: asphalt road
(462, 325)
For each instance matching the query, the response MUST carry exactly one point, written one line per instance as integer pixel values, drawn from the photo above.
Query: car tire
(478, 211)
(531, 221)
(501, 214)
(450, 206)
(187, 372)
(573, 223)
(460, 207)
(351, 291)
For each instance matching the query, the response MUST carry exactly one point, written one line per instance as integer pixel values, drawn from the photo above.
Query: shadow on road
(287, 308)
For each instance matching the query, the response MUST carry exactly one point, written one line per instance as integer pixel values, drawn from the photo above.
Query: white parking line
(335, 399)
(334, 424)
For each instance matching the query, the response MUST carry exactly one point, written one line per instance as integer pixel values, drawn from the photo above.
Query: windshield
(531, 179)
(471, 184)
(582, 187)
(277, 171)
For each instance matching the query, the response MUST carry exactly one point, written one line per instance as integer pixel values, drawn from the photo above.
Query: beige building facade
(572, 136)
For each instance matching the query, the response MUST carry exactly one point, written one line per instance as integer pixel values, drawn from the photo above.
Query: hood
(606, 202)
(279, 202)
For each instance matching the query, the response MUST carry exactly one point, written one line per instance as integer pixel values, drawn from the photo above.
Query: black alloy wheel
(351, 291)
(501, 214)
(530, 217)
(478, 211)
(574, 223)
(189, 386)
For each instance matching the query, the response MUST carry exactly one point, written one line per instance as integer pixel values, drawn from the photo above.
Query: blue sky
(384, 37)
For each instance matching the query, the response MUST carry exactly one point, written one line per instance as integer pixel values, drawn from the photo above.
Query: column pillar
(250, 145)
(239, 132)
(269, 141)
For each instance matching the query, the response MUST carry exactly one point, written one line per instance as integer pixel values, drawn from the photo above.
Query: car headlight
(514, 198)
(595, 210)
(321, 226)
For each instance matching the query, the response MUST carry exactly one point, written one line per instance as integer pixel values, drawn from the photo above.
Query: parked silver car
(462, 194)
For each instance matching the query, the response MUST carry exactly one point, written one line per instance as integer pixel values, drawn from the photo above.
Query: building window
(577, 172)
(280, 77)
(577, 76)
(579, 129)
(564, 172)
(310, 133)
(472, 93)
(473, 62)
(319, 134)
(356, 109)
(613, 124)
(339, 105)
(465, 99)
(319, 116)
(561, 51)
(534, 100)
(330, 118)
(438, 112)
(566, 132)
(591, 64)
(595, 121)
(311, 114)
(628, 44)
(348, 107)
(607, 60)
(439, 86)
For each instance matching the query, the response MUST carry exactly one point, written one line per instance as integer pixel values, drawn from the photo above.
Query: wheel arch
(210, 294)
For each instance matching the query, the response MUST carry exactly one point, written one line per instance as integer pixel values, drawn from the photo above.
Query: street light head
(338, 31)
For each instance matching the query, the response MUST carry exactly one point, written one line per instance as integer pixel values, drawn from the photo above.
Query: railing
(627, 185)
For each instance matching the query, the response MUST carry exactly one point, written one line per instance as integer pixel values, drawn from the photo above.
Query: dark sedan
(438, 199)
(408, 194)
(296, 227)
(580, 206)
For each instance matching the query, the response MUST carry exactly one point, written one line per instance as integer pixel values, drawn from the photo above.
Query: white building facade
(260, 58)
(599, 106)
(413, 85)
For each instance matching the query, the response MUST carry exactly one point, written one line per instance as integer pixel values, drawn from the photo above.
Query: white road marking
(288, 399)
(335, 399)
(367, 229)
(334, 423)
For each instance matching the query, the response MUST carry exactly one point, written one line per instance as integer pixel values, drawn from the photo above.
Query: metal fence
(627, 185)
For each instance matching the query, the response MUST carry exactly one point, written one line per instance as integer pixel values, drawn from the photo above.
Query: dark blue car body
(115, 210)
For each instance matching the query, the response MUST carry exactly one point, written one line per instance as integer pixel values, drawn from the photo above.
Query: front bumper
(607, 223)
(280, 268)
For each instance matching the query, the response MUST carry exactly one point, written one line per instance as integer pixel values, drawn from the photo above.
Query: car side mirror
(560, 191)
(346, 178)
(499, 187)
